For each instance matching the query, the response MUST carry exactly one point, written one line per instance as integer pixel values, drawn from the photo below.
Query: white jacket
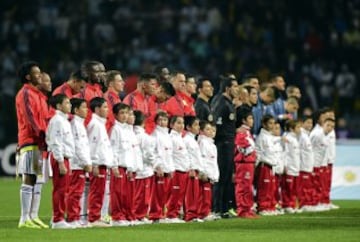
(279, 152)
(135, 150)
(163, 150)
(180, 153)
(320, 144)
(209, 157)
(265, 148)
(59, 137)
(331, 151)
(100, 147)
(147, 146)
(306, 152)
(82, 146)
(292, 154)
(194, 154)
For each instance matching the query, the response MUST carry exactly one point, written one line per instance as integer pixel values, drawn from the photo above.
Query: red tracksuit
(89, 92)
(206, 198)
(154, 107)
(181, 105)
(118, 187)
(64, 89)
(159, 197)
(245, 157)
(142, 196)
(31, 123)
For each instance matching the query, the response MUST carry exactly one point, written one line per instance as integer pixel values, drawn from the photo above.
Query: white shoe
(289, 210)
(211, 217)
(99, 223)
(333, 206)
(62, 225)
(135, 223)
(298, 210)
(197, 220)
(120, 223)
(267, 213)
(164, 221)
(76, 224)
(146, 221)
(175, 221)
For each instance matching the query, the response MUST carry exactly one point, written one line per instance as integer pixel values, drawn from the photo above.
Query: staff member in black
(202, 104)
(225, 117)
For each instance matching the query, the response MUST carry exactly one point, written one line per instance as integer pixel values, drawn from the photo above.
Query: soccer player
(73, 86)
(31, 136)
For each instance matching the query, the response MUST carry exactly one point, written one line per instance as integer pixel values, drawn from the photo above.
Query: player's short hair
(25, 69)
(190, 120)
(146, 77)
(168, 88)
(77, 76)
(110, 76)
(201, 80)
(120, 106)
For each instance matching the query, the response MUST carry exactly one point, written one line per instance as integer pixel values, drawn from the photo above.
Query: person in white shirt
(279, 168)
(143, 179)
(163, 167)
(320, 143)
(210, 173)
(123, 164)
(331, 154)
(266, 161)
(306, 190)
(292, 165)
(80, 163)
(180, 179)
(101, 157)
(61, 147)
(192, 196)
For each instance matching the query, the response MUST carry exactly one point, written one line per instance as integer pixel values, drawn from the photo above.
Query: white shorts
(29, 160)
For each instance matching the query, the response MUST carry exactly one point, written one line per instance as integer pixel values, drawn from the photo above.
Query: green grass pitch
(335, 225)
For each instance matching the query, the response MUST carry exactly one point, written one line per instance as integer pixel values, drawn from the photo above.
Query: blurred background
(314, 44)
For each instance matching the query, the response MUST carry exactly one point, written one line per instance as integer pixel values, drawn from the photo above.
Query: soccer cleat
(333, 206)
(40, 223)
(28, 224)
(232, 213)
(106, 219)
(99, 223)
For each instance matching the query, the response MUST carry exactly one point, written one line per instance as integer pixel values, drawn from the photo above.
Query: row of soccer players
(148, 173)
(293, 170)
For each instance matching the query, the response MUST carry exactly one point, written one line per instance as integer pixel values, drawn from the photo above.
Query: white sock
(35, 204)
(84, 202)
(106, 201)
(26, 193)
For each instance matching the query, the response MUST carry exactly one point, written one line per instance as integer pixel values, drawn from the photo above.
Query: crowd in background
(315, 44)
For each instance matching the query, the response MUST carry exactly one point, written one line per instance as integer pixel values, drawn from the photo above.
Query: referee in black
(224, 117)
(202, 103)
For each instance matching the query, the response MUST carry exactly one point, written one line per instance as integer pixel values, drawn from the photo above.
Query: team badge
(232, 116)
(210, 118)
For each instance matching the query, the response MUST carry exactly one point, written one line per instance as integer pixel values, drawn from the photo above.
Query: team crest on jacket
(210, 118)
(232, 116)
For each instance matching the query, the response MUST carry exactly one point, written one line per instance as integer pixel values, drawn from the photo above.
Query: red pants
(118, 195)
(130, 199)
(244, 192)
(265, 187)
(96, 194)
(142, 197)
(192, 199)
(306, 191)
(277, 190)
(288, 191)
(327, 187)
(319, 184)
(76, 188)
(178, 186)
(60, 189)
(205, 199)
(159, 196)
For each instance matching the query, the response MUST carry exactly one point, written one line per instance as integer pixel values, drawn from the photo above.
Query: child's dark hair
(120, 106)
(161, 114)
(57, 99)
(291, 124)
(173, 119)
(96, 102)
(243, 115)
(76, 103)
(266, 118)
(190, 120)
(203, 124)
(306, 117)
(139, 118)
